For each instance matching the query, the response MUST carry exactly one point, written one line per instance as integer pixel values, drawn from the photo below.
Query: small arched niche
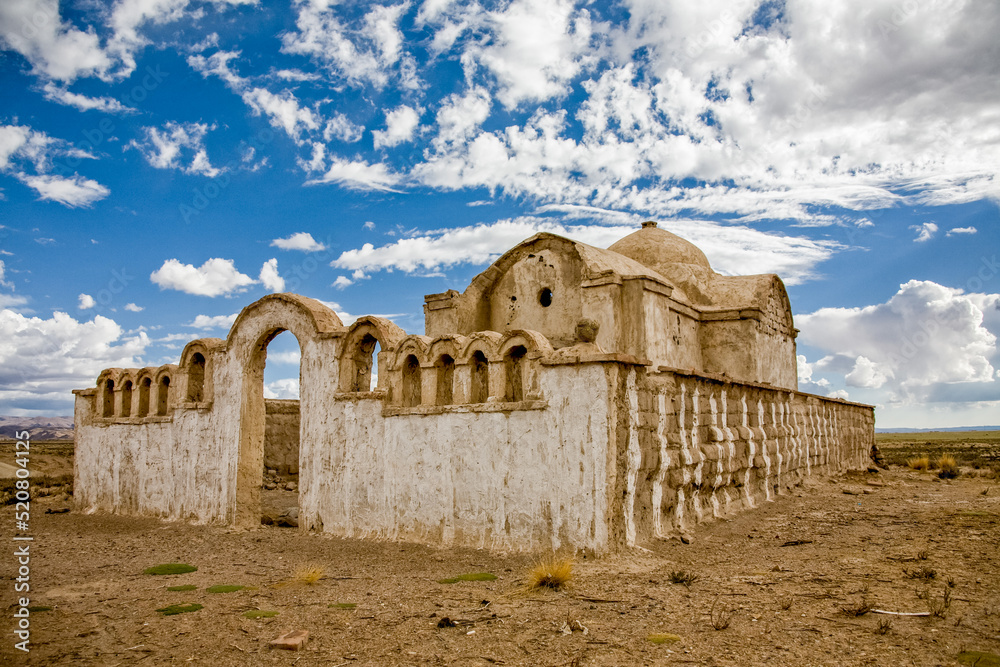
(196, 378)
(445, 370)
(126, 410)
(145, 385)
(479, 389)
(163, 396)
(513, 363)
(411, 384)
(108, 399)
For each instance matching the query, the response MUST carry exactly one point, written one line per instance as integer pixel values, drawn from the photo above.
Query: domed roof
(669, 255)
(656, 248)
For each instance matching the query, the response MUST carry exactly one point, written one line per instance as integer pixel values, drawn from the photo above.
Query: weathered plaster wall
(172, 467)
(708, 447)
(516, 300)
(281, 436)
(481, 476)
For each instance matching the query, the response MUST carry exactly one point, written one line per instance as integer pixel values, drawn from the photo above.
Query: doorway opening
(268, 486)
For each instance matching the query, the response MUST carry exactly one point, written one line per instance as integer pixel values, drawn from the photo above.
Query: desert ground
(797, 581)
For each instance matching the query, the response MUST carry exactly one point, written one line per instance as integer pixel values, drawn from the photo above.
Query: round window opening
(545, 297)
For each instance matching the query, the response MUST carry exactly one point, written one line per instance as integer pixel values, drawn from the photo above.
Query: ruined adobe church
(571, 397)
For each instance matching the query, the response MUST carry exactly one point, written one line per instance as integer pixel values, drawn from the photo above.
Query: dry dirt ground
(781, 575)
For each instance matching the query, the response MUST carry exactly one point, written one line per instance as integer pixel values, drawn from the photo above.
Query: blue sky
(164, 163)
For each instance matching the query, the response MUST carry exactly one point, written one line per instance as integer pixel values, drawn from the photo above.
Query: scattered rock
(289, 517)
(686, 538)
(570, 627)
(291, 486)
(270, 486)
(446, 623)
(61, 510)
(291, 641)
(272, 471)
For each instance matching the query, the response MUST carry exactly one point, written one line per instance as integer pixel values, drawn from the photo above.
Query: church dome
(657, 248)
(669, 255)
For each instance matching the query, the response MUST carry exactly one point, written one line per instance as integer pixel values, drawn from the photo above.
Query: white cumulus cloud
(42, 360)
(400, 124)
(925, 335)
(303, 241)
(86, 302)
(178, 146)
(212, 321)
(213, 278)
(269, 276)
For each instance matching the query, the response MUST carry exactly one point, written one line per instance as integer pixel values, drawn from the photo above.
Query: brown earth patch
(788, 578)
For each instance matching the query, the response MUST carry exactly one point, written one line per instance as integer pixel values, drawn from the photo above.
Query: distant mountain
(927, 430)
(40, 428)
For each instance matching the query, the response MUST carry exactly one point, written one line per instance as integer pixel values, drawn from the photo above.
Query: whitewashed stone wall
(601, 454)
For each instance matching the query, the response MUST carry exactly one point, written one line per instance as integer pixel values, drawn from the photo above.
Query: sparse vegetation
(343, 605)
(662, 638)
(940, 606)
(224, 588)
(175, 609)
(920, 463)
(858, 609)
(309, 574)
(682, 577)
(884, 626)
(721, 618)
(553, 573)
(474, 576)
(975, 449)
(948, 467)
(786, 603)
(979, 659)
(920, 573)
(170, 568)
(185, 587)
(260, 613)
(923, 554)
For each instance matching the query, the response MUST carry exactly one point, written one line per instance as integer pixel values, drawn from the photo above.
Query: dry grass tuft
(305, 575)
(720, 618)
(857, 609)
(940, 607)
(920, 463)
(920, 573)
(948, 467)
(553, 573)
(309, 574)
(682, 577)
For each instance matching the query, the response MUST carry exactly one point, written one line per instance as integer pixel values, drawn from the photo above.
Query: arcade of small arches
(487, 370)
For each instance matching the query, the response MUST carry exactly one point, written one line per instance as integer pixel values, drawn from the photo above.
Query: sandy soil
(782, 575)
